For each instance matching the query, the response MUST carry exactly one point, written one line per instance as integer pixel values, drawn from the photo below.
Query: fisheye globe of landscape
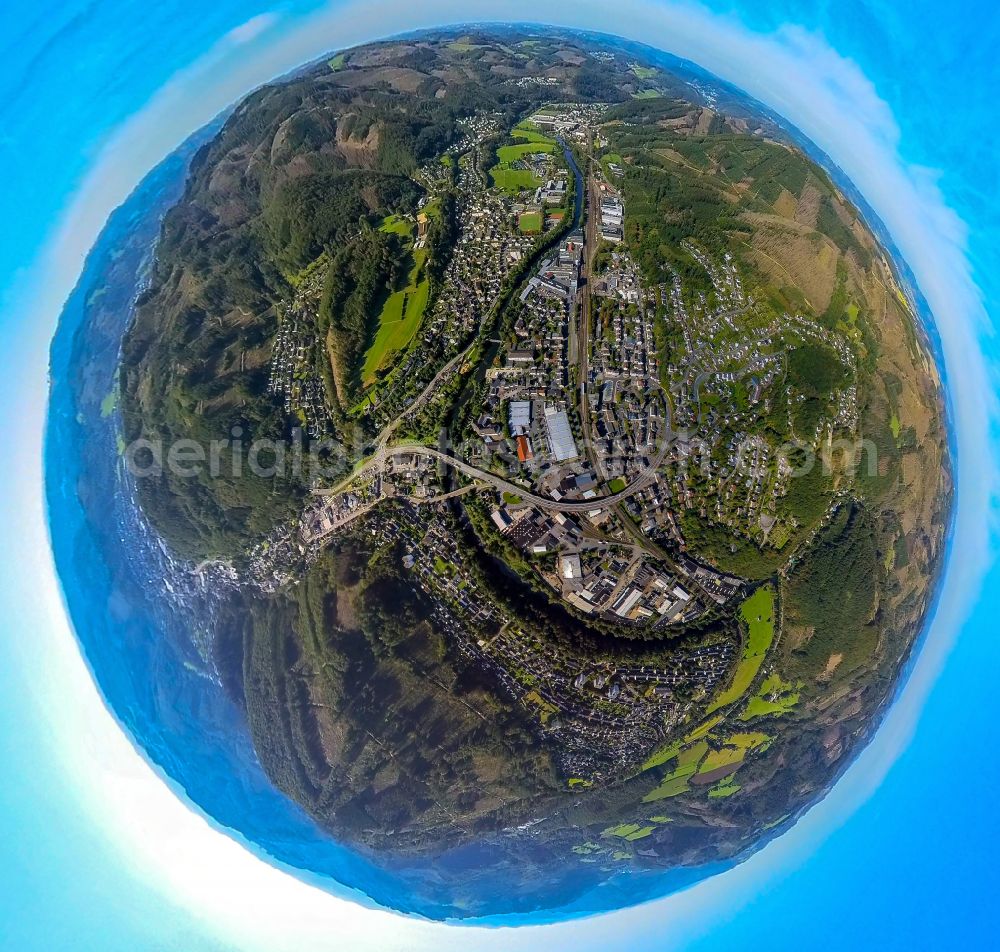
(501, 471)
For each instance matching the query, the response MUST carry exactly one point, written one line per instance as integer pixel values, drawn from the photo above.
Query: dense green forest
(833, 592)
(361, 275)
(338, 672)
(313, 213)
(301, 168)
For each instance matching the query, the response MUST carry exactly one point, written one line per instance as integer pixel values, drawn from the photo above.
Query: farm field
(758, 614)
(400, 318)
(775, 697)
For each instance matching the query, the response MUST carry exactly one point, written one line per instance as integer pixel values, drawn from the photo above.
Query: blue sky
(99, 854)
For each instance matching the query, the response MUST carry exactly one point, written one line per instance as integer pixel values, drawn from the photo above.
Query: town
(580, 442)
(605, 715)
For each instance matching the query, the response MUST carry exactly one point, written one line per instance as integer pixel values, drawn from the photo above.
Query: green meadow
(758, 614)
(530, 222)
(514, 180)
(775, 697)
(399, 320)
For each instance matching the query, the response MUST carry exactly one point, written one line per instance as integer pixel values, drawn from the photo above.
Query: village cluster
(486, 250)
(606, 714)
(574, 411)
(575, 452)
(723, 380)
(294, 373)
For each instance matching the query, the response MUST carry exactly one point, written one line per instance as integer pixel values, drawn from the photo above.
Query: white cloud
(253, 28)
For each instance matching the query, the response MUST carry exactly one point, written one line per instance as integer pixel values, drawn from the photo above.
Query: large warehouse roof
(560, 436)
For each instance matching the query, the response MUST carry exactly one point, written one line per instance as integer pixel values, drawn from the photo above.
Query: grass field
(464, 45)
(531, 134)
(511, 153)
(734, 749)
(397, 225)
(780, 535)
(433, 208)
(676, 781)
(617, 484)
(514, 180)
(775, 697)
(672, 750)
(623, 829)
(726, 757)
(629, 831)
(671, 786)
(530, 222)
(109, 403)
(640, 834)
(724, 789)
(647, 94)
(758, 614)
(610, 157)
(337, 62)
(662, 756)
(400, 318)
(701, 731)
(699, 758)
(748, 740)
(545, 710)
(644, 72)
(691, 756)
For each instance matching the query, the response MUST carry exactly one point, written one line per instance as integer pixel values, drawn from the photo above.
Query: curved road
(383, 452)
(542, 502)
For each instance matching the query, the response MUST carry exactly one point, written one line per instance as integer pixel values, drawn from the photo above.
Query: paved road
(424, 396)
(384, 453)
(356, 514)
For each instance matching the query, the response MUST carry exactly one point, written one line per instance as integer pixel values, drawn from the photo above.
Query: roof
(519, 416)
(570, 567)
(561, 440)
